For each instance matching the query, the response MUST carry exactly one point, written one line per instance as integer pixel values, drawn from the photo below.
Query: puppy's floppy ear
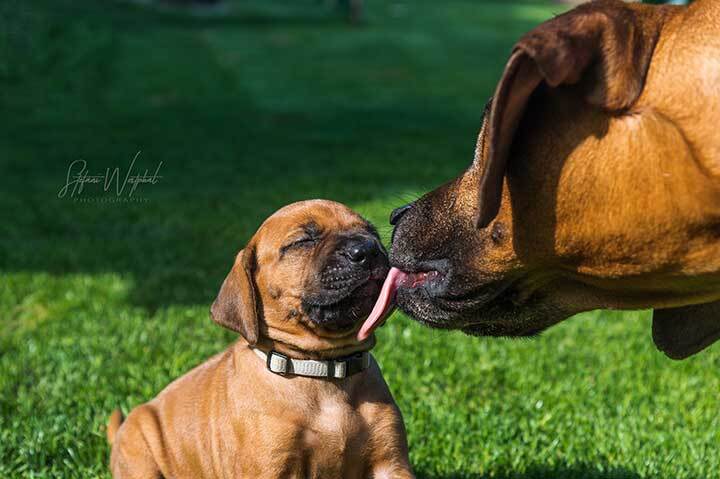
(236, 304)
(603, 47)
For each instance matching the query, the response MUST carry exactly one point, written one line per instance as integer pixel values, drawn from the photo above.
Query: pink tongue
(384, 304)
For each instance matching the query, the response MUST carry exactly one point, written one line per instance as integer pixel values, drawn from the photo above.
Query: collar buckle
(282, 363)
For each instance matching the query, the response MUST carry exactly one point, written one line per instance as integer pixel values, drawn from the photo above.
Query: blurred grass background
(250, 106)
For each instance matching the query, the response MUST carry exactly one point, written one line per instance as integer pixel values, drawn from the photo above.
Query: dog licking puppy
(298, 395)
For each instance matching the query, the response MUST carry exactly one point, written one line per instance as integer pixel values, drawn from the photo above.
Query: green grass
(266, 103)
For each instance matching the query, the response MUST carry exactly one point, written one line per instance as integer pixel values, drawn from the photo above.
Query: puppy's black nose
(361, 250)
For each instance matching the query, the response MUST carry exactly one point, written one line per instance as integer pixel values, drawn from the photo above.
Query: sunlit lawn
(249, 108)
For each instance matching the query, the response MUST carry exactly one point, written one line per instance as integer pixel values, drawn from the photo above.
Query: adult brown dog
(595, 184)
(298, 290)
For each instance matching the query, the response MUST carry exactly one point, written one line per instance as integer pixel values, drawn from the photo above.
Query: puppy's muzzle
(349, 281)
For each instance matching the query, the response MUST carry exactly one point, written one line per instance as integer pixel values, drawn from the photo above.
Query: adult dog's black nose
(398, 213)
(361, 250)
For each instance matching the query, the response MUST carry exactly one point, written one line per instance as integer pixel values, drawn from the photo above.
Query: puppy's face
(307, 278)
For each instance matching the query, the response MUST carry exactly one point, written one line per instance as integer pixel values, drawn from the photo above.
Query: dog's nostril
(357, 255)
(398, 213)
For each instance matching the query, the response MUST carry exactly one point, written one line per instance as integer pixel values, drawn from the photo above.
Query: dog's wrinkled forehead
(306, 220)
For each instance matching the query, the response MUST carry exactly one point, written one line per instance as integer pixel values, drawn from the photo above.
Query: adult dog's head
(581, 195)
(305, 280)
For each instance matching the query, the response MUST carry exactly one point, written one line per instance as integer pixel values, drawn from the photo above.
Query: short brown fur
(596, 182)
(232, 418)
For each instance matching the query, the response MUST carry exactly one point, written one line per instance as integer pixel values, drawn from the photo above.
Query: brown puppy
(595, 184)
(298, 290)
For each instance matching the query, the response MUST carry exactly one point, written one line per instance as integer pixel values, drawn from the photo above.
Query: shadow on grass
(139, 15)
(248, 14)
(179, 244)
(243, 123)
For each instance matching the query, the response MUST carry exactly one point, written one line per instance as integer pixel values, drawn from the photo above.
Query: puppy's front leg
(133, 463)
(392, 471)
(389, 459)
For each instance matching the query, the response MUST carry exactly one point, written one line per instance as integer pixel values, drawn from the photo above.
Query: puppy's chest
(329, 441)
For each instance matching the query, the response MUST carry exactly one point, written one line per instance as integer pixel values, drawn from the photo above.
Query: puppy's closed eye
(303, 242)
(311, 234)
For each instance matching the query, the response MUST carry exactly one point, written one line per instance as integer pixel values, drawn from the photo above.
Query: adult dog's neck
(629, 196)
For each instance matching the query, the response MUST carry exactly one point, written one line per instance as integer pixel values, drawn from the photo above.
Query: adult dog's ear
(236, 304)
(603, 47)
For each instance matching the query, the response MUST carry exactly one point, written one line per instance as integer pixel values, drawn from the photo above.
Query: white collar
(338, 368)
